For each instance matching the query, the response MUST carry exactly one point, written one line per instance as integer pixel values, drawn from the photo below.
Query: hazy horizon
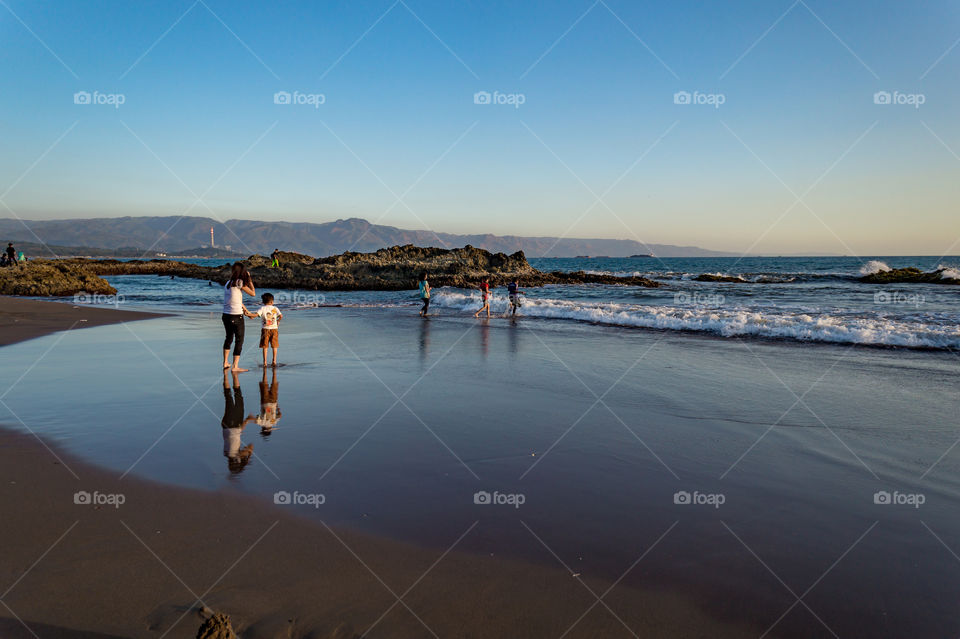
(765, 129)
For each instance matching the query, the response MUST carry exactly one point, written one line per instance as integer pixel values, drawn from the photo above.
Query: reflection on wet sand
(485, 337)
(269, 410)
(232, 425)
(424, 340)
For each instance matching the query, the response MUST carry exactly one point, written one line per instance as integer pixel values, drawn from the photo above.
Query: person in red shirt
(485, 291)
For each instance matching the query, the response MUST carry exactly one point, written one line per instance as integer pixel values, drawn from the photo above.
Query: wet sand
(483, 402)
(145, 568)
(23, 319)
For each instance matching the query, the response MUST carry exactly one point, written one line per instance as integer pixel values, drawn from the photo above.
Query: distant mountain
(35, 249)
(171, 234)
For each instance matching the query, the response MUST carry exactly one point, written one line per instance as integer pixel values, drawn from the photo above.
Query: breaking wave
(836, 326)
(874, 266)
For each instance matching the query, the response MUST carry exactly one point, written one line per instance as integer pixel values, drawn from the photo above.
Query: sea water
(795, 299)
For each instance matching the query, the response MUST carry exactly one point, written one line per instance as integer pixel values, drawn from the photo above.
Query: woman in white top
(240, 283)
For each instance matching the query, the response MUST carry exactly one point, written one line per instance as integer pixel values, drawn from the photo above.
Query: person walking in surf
(513, 290)
(424, 295)
(485, 292)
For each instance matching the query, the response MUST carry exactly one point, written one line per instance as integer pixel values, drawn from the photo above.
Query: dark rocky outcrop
(389, 269)
(51, 278)
(909, 275)
(710, 277)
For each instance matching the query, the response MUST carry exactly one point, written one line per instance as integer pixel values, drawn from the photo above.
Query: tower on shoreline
(212, 245)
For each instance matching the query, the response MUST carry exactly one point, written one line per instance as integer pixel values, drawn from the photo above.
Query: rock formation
(389, 269)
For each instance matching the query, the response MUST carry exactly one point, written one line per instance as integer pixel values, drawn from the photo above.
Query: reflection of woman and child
(234, 421)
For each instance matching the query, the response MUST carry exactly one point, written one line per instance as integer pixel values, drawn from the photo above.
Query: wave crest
(838, 327)
(874, 266)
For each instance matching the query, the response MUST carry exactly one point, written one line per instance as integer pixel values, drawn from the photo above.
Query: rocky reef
(389, 269)
(713, 277)
(909, 275)
(51, 278)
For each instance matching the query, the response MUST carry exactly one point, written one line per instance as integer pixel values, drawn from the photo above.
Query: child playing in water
(485, 291)
(269, 331)
(513, 289)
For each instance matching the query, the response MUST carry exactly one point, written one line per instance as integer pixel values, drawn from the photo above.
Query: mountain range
(171, 234)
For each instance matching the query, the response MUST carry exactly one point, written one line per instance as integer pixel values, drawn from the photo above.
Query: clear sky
(582, 136)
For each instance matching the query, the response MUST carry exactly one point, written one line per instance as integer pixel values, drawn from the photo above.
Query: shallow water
(398, 422)
(793, 299)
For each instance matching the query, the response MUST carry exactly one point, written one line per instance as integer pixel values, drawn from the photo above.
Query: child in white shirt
(269, 330)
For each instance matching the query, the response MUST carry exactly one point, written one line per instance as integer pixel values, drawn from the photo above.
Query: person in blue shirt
(424, 295)
(513, 290)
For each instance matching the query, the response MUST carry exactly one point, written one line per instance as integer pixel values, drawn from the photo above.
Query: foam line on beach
(732, 321)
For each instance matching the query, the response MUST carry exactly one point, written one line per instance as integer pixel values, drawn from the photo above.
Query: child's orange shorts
(269, 337)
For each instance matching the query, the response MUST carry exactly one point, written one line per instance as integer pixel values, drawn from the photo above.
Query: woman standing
(239, 283)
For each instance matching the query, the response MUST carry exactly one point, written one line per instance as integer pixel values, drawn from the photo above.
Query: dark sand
(23, 319)
(140, 570)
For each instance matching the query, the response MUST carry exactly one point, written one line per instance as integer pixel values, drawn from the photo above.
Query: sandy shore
(23, 319)
(146, 567)
(157, 563)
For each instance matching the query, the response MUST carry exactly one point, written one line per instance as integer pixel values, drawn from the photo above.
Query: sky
(765, 127)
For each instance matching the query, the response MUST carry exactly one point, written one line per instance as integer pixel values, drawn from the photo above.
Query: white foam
(918, 332)
(615, 273)
(874, 266)
(949, 272)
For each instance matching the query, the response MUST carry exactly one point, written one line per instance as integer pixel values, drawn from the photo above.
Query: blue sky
(797, 158)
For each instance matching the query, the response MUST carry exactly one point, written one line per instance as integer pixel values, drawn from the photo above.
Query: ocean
(799, 299)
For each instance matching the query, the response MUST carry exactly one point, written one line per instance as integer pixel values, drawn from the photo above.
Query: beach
(681, 468)
(23, 319)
